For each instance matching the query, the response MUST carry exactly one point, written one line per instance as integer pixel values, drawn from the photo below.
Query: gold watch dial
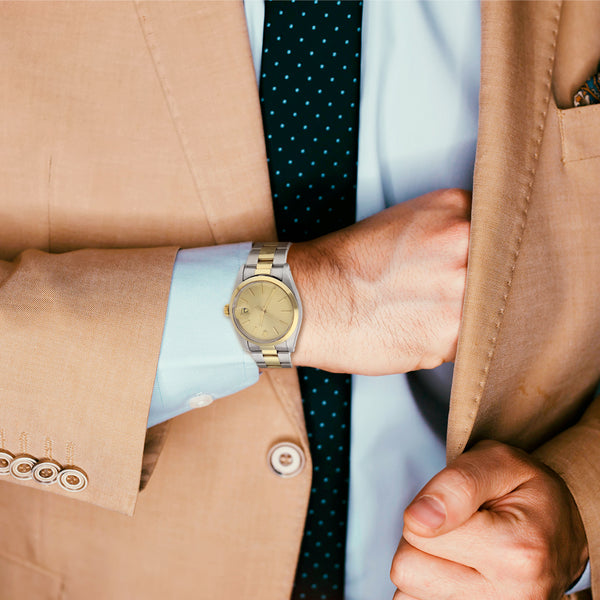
(264, 310)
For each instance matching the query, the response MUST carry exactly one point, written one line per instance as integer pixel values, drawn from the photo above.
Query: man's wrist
(300, 265)
(265, 307)
(319, 297)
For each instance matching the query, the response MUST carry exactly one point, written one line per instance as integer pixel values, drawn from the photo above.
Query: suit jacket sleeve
(575, 456)
(81, 335)
(123, 125)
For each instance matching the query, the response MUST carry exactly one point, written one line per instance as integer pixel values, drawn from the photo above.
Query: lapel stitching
(458, 442)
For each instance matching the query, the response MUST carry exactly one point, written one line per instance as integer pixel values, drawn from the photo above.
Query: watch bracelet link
(271, 358)
(268, 258)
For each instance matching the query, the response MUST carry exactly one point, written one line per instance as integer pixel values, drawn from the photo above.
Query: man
(76, 322)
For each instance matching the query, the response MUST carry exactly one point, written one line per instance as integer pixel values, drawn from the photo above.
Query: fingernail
(428, 511)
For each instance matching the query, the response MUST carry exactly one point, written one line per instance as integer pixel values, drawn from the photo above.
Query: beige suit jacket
(129, 129)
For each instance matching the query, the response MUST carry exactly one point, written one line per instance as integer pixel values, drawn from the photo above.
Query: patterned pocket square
(589, 92)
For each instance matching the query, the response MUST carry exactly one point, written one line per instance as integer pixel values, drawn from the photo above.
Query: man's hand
(495, 524)
(385, 295)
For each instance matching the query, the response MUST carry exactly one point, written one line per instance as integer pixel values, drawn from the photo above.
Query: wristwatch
(265, 306)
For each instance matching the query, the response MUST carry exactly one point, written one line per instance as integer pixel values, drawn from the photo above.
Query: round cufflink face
(46, 472)
(72, 480)
(22, 467)
(6, 459)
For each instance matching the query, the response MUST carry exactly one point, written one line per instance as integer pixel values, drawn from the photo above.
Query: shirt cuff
(201, 357)
(583, 583)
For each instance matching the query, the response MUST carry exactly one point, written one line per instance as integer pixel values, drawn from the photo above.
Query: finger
(488, 471)
(402, 596)
(424, 576)
(478, 544)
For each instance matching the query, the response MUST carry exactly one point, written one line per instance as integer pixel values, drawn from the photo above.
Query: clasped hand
(385, 295)
(494, 525)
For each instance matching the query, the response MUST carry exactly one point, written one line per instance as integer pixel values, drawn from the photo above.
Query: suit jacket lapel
(203, 60)
(518, 47)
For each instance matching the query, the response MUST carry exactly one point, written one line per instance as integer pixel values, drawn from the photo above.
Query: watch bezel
(289, 293)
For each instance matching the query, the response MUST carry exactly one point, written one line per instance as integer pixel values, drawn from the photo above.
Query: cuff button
(46, 472)
(6, 459)
(22, 467)
(200, 400)
(72, 480)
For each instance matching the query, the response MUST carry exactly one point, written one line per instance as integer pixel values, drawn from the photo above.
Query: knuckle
(402, 572)
(398, 573)
(453, 243)
(451, 291)
(433, 361)
(460, 233)
(488, 444)
(459, 285)
(500, 451)
(457, 197)
(460, 230)
(532, 557)
(447, 337)
(460, 483)
(532, 562)
(514, 458)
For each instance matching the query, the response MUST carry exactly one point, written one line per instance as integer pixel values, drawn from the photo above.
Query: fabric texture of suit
(134, 129)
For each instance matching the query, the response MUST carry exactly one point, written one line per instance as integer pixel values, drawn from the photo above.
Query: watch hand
(264, 309)
(269, 299)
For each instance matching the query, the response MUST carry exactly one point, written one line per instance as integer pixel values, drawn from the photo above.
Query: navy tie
(309, 90)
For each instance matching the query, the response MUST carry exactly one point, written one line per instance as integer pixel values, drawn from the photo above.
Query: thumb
(488, 471)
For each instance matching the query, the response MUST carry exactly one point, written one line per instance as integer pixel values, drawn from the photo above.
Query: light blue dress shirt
(418, 131)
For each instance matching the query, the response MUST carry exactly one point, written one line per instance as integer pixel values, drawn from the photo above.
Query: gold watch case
(264, 310)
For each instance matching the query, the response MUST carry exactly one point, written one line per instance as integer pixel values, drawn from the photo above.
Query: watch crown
(226, 310)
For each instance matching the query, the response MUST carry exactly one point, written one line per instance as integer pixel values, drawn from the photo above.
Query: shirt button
(22, 467)
(72, 480)
(286, 459)
(200, 400)
(6, 459)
